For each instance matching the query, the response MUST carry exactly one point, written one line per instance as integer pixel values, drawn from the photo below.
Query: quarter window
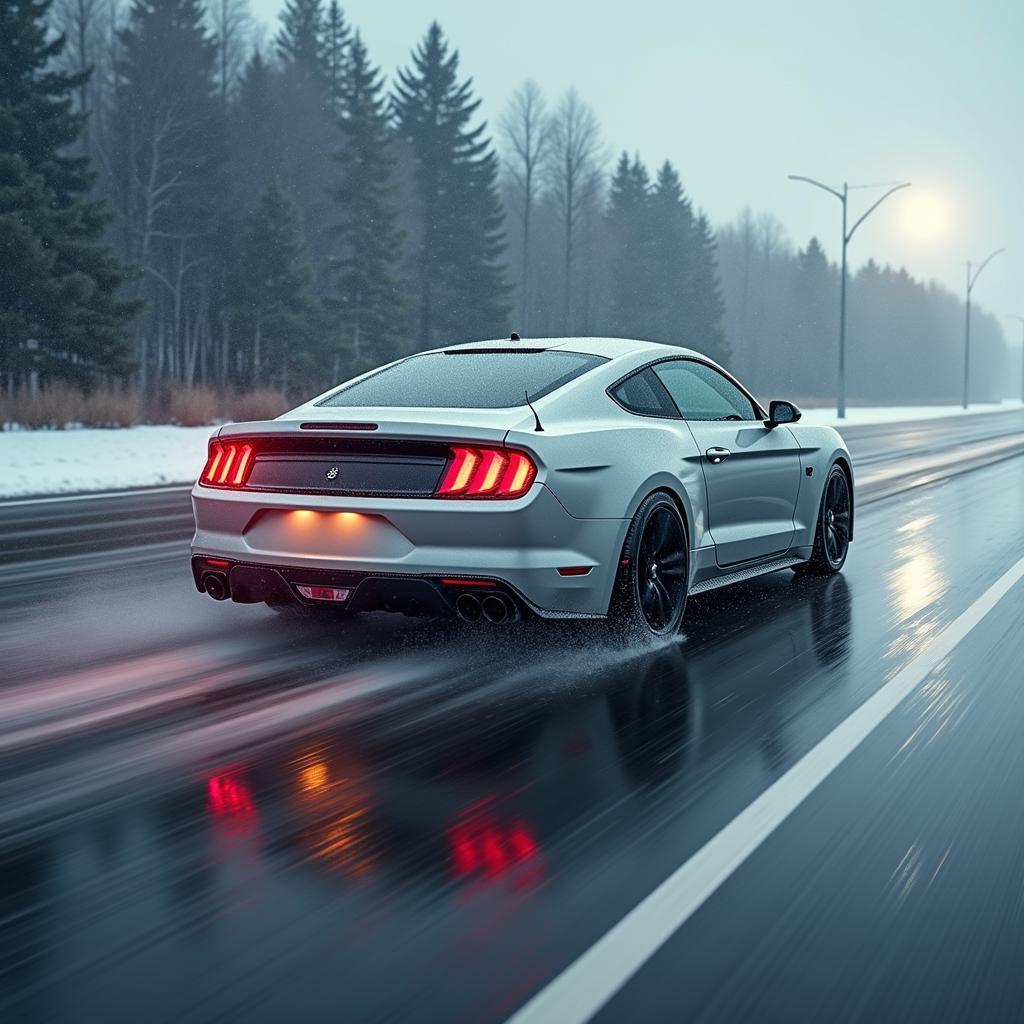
(643, 393)
(702, 393)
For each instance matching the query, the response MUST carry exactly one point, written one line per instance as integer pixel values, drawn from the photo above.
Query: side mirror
(781, 412)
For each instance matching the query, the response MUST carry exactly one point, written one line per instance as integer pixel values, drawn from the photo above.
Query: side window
(702, 393)
(643, 393)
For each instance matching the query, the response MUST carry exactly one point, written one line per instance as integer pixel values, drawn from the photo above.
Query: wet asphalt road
(208, 814)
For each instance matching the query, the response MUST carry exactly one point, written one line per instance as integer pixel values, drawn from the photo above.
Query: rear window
(467, 379)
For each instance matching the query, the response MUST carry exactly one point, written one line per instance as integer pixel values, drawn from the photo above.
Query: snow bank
(65, 461)
(901, 413)
(68, 461)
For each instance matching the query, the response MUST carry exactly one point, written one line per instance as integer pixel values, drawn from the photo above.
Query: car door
(752, 474)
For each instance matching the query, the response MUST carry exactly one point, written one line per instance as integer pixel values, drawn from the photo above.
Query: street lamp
(971, 281)
(847, 235)
(1021, 319)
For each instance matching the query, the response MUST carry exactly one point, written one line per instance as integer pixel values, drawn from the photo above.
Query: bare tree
(574, 172)
(90, 31)
(745, 235)
(527, 132)
(771, 237)
(232, 25)
(83, 25)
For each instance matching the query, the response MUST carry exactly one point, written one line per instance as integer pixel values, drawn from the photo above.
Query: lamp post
(1021, 319)
(971, 282)
(846, 236)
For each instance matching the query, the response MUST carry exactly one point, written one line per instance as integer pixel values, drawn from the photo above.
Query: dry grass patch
(261, 404)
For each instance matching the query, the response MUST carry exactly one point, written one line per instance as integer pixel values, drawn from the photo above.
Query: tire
(832, 536)
(649, 595)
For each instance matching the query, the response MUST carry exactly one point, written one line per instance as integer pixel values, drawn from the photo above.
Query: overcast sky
(739, 94)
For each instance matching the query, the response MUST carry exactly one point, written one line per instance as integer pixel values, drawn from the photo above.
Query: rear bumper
(411, 595)
(520, 544)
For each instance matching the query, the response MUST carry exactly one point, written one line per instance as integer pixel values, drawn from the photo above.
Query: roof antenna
(537, 429)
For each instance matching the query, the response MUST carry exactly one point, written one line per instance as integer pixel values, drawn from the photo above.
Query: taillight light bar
(228, 464)
(486, 473)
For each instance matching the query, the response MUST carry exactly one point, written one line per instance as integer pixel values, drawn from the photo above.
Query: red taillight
(487, 473)
(228, 464)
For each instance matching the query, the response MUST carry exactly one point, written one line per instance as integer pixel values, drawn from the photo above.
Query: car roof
(610, 348)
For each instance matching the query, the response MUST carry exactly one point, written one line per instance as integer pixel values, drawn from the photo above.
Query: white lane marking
(590, 981)
(93, 495)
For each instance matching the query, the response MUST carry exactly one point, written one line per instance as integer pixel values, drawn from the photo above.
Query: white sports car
(566, 479)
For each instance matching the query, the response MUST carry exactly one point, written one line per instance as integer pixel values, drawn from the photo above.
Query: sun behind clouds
(924, 215)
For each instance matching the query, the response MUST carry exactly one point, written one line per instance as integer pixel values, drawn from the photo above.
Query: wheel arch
(684, 514)
(651, 488)
(843, 462)
(678, 496)
(654, 489)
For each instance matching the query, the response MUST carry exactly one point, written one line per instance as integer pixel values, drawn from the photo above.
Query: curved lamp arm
(977, 273)
(811, 181)
(874, 206)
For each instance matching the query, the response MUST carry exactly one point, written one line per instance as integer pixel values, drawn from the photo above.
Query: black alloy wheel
(653, 576)
(832, 538)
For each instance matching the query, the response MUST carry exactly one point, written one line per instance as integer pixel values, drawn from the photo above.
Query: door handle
(717, 455)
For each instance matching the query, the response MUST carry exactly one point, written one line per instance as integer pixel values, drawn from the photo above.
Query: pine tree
(272, 302)
(300, 38)
(675, 253)
(309, 123)
(629, 224)
(810, 345)
(256, 129)
(168, 152)
(59, 311)
(337, 38)
(367, 300)
(458, 269)
(706, 331)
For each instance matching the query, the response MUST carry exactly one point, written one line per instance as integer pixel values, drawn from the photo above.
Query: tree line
(183, 204)
(904, 338)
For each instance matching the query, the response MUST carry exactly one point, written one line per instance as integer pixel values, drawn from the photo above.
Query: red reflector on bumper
(323, 593)
(575, 570)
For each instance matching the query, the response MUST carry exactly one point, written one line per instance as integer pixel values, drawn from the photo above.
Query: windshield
(466, 379)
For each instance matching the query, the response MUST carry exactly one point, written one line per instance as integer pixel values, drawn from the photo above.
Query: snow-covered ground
(68, 461)
(900, 413)
(65, 461)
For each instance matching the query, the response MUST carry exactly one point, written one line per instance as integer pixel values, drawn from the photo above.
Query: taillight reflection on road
(229, 797)
(334, 805)
(483, 845)
(233, 816)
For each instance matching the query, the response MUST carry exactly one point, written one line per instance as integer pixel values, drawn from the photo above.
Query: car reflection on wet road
(484, 789)
(407, 821)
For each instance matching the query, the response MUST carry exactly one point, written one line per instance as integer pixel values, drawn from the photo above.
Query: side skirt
(746, 573)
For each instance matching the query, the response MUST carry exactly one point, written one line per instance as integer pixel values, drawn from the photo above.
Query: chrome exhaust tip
(494, 608)
(468, 608)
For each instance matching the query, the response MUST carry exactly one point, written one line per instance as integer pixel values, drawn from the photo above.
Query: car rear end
(417, 510)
